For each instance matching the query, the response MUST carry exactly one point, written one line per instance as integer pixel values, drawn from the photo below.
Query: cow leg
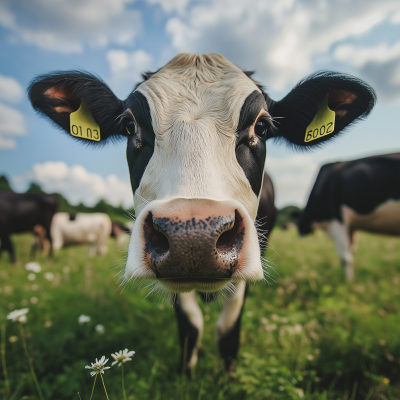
(48, 244)
(190, 327)
(6, 244)
(342, 236)
(35, 245)
(228, 325)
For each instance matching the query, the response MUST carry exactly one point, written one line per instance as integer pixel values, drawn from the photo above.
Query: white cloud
(10, 89)
(12, 123)
(292, 177)
(280, 39)
(68, 27)
(126, 69)
(79, 185)
(171, 5)
(359, 56)
(379, 65)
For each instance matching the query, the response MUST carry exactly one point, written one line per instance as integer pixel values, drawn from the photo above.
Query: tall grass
(309, 335)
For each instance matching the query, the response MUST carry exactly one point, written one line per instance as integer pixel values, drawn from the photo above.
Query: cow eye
(261, 129)
(131, 127)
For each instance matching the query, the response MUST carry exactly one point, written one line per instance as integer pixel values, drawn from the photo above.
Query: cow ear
(348, 97)
(57, 95)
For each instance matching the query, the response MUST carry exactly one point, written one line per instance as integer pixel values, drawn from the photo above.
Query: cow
(350, 196)
(196, 133)
(73, 229)
(120, 232)
(23, 212)
(40, 240)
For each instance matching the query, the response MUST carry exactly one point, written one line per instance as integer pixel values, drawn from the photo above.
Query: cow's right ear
(57, 95)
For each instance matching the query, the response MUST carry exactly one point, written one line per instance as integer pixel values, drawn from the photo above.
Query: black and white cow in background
(354, 195)
(25, 212)
(196, 134)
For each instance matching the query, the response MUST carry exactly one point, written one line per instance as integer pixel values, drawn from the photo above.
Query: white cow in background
(94, 229)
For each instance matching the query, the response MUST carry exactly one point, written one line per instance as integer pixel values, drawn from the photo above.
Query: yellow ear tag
(323, 123)
(83, 125)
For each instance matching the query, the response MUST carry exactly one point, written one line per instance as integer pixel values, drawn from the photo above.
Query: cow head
(196, 134)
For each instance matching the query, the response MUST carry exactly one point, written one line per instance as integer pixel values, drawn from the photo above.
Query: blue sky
(118, 39)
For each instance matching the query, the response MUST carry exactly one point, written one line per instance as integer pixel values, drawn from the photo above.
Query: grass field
(308, 335)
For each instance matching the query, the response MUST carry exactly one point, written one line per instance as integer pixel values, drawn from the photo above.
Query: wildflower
(83, 319)
(31, 277)
(122, 356)
(34, 267)
(98, 366)
(18, 315)
(386, 381)
(297, 328)
(34, 300)
(49, 276)
(310, 357)
(300, 392)
(99, 329)
(13, 339)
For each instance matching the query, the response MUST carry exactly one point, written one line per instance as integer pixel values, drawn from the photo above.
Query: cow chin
(194, 244)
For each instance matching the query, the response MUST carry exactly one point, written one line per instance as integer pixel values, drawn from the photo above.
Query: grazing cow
(22, 212)
(120, 232)
(196, 133)
(72, 229)
(40, 240)
(354, 195)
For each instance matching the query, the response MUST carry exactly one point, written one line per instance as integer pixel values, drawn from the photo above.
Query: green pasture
(307, 335)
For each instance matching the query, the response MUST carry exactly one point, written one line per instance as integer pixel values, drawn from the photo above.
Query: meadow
(308, 334)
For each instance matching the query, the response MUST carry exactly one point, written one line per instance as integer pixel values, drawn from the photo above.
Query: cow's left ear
(60, 94)
(300, 116)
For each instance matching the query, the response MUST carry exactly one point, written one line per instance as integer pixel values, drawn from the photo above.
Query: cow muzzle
(194, 243)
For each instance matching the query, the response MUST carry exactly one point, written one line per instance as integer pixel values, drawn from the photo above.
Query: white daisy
(98, 366)
(49, 276)
(33, 266)
(99, 329)
(18, 315)
(122, 356)
(83, 319)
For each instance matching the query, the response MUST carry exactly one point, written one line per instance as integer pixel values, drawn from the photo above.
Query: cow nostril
(156, 241)
(232, 239)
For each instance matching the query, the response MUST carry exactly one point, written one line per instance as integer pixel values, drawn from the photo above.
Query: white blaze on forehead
(195, 103)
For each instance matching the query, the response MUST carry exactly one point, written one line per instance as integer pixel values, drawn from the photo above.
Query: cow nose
(195, 248)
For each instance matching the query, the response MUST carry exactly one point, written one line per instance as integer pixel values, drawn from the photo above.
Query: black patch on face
(251, 150)
(140, 145)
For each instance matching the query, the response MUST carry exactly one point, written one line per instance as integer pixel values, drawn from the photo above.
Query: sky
(283, 41)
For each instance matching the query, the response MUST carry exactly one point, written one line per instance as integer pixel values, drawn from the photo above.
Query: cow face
(196, 144)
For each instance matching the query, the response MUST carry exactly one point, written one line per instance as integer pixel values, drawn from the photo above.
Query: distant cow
(196, 133)
(354, 195)
(93, 229)
(22, 212)
(120, 232)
